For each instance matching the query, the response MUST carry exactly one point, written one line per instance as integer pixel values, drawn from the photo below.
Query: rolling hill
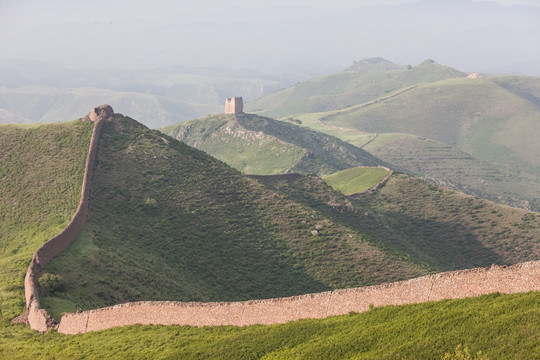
(258, 145)
(476, 134)
(365, 80)
(479, 116)
(33, 91)
(168, 222)
(443, 229)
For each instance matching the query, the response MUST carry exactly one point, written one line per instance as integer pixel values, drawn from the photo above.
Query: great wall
(521, 277)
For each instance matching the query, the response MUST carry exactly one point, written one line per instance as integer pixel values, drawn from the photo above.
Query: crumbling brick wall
(522, 277)
(39, 319)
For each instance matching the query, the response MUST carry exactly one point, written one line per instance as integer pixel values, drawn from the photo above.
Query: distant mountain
(363, 81)
(32, 91)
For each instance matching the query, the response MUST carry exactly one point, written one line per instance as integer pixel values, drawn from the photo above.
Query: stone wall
(522, 277)
(39, 319)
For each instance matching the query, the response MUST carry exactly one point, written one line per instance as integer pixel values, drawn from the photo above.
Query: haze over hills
(481, 132)
(483, 36)
(32, 91)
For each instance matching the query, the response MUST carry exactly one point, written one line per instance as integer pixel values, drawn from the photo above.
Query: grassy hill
(355, 180)
(444, 229)
(168, 222)
(260, 145)
(41, 169)
(364, 81)
(452, 168)
(500, 326)
(479, 116)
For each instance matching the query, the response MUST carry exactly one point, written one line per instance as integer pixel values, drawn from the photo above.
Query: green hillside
(258, 145)
(479, 116)
(364, 81)
(443, 229)
(355, 180)
(41, 170)
(500, 326)
(168, 222)
(447, 166)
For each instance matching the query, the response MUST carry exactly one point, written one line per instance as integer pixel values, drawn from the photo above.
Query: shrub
(51, 283)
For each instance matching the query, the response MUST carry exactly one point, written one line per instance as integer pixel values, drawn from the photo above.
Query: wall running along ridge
(38, 318)
(522, 277)
(450, 285)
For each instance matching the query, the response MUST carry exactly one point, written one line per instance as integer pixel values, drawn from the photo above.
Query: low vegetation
(443, 229)
(366, 80)
(41, 171)
(498, 326)
(257, 145)
(356, 180)
(168, 222)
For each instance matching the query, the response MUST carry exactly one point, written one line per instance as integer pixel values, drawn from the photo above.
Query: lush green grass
(168, 222)
(259, 145)
(355, 180)
(500, 326)
(479, 116)
(250, 152)
(362, 82)
(443, 229)
(41, 170)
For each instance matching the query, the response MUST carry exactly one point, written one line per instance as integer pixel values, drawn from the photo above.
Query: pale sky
(137, 33)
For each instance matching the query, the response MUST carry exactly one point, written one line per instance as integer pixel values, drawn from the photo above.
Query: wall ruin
(38, 318)
(234, 105)
(522, 277)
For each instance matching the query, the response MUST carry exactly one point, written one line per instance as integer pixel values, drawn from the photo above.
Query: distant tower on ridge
(234, 105)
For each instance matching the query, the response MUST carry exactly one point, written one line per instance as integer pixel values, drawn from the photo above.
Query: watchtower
(234, 105)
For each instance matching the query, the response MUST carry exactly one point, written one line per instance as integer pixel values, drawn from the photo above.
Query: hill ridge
(37, 317)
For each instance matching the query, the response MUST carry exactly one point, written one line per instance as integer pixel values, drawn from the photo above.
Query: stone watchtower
(234, 105)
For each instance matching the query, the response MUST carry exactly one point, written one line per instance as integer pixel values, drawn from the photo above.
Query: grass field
(257, 145)
(356, 180)
(41, 170)
(478, 116)
(500, 326)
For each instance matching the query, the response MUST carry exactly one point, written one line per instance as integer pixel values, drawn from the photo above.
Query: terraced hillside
(168, 222)
(366, 80)
(447, 166)
(259, 145)
(41, 168)
(479, 116)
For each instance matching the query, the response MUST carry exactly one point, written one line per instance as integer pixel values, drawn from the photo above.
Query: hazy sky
(461, 33)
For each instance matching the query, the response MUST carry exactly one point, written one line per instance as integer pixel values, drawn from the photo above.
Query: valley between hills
(238, 207)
